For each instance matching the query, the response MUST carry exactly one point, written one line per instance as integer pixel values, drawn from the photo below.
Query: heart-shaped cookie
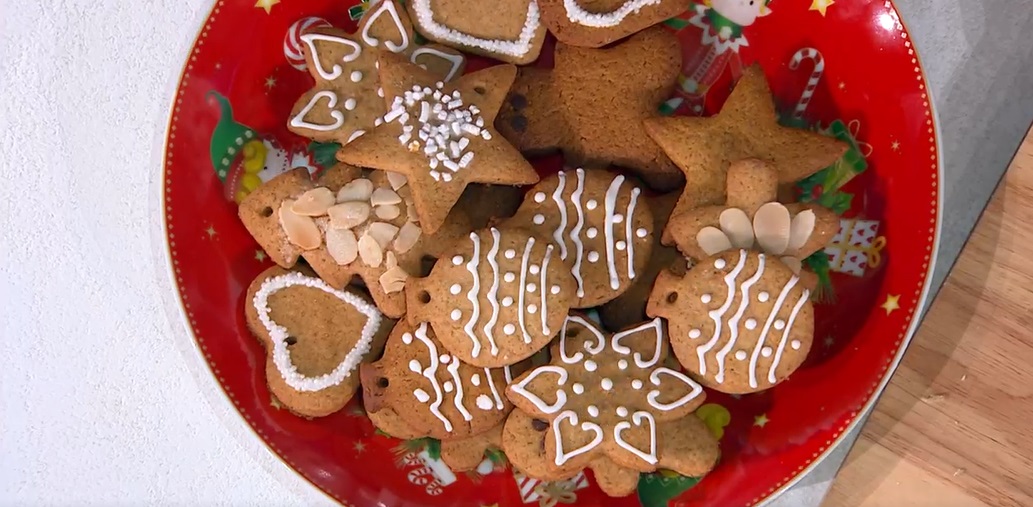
(509, 30)
(315, 336)
(596, 23)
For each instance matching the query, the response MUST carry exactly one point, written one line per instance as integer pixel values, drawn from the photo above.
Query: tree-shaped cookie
(347, 99)
(751, 217)
(605, 399)
(746, 127)
(592, 104)
(441, 136)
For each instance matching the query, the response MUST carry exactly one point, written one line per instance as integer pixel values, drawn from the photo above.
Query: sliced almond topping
(355, 190)
(384, 195)
(382, 232)
(736, 225)
(314, 202)
(342, 246)
(371, 253)
(301, 230)
(393, 280)
(771, 226)
(396, 180)
(410, 211)
(390, 260)
(408, 235)
(713, 241)
(349, 214)
(801, 230)
(388, 212)
(794, 264)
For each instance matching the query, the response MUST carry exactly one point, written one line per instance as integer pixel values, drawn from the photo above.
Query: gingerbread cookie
(440, 136)
(752, 218)
(596, 23)
(489, 204)
(600, 225)
(347, 99)
(523, 441)
(315, 336)
(592, 104)
(746, 127)
(740, 321)
(507, 30)
(349, 223)
(604, 399)
(500, 297)
(433, 392)
(630, 307)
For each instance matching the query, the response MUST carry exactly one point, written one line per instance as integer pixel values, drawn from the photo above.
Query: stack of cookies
(671, 227)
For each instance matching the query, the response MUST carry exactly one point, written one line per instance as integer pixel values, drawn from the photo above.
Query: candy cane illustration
(292, 40)
(812, 83)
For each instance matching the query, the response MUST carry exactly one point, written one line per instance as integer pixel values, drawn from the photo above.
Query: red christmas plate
(847, 69)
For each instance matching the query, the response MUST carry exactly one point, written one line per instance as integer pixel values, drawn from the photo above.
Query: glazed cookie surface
(507, 30)
(595, 23)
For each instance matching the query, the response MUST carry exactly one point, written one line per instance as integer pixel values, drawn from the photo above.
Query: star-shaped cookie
(441, 136)
(592, 104)
(746, 127)
(346, 99)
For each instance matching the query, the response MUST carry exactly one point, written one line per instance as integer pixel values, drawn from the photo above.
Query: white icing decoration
(785, 334)
(475, 291)
(534, 269)
(484, 402)
(590, 365)
(578, 356)
(407, 338)
(575, 233)
(475, 379)
(445, 358)
(355, 135)
(780, 324)
(606, 384)
(766, 351)
(591, 232)
(414, 366)
(300, 122)
(618, 218)
(636, 384)
(763, 297)
(795, 344)
(493, 292)
(520, 295)
(455, 60)
(733, 323)
(421, 395)
(447, 386)
(720, 264)
(509, 328)
(658, 331)
(544, 282)
(532, 309)
(562, 456)
(510, 253)
(430, 373)
(531, 287)
(517, 48)
(621, 245)
(555, 290)
(509, 277)
(706, 298)
(604, 20)
(578, 388)
(539, 197)
(750, 324)
(642, 232)
(457, 314)
(611, 201)
(507, 302)
(654, 378)
(443, 124)
(457, 260)
(279, 334)
(561, 207)
(539, 219)
(627, 232)
(694, 333)
(453, 369)
(593, 256)
(518, 389)
(638, 417)
(740, 355)
(310, 38)
(372, 17)
(593, 411)
(350, 104)
(622, 364)
(494, 391)
(777, 307)
(356, 76)
(622, 411)
(591, 204)
(455, 289)
(716, 315)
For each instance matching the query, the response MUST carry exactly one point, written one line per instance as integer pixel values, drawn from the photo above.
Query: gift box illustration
(856, 248)
(549, 494)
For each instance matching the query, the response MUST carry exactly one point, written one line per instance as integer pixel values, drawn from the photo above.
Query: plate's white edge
(175, 314)
(920, 307)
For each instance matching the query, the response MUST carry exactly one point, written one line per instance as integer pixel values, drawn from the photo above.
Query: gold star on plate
(359, 447)
(210, 231)
(259, 255)
(821, 5)
(270, 82)
(266, 4)
(895, 146)
(842, 85)
(892, 303)
(761, 420)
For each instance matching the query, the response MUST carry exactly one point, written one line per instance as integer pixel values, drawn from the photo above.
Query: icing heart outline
(654, 378)
(622, 349)
(517, 48)
(561, 455)
(310, 39)
(637, 418)
(546, 408)
(578, 356)
(300, 122)
(576, 14)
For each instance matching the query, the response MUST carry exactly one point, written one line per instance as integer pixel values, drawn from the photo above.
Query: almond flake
(314, 202)
(396, 180)
(383, 233)
(301, 230)
(393, 280)
(355, 190)
(383, 195)
(388, 212)
(390, 260)
(371, 253)
(349, 214)
(408, 235)
(342, 246)
(410, 211)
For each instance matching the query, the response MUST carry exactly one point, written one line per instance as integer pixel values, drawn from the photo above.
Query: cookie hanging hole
(539, 425)
(267, 212)
(290, 340)
(382, 382)
(672, 298)
(424, 297)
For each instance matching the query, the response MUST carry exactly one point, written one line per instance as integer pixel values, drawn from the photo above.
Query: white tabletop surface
(101, 399)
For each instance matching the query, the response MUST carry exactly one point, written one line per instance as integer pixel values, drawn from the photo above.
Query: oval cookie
(499, 298)
(600, 224)
(740, 321)
(430, 390)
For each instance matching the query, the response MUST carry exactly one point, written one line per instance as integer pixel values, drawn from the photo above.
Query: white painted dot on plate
(510, 253)
(532, 309)
(407, 338)
(751, 323)
(695, 333)
(578, 388)
(539, 219)
(592, 232)
(637, 384)
(618, 218)
(706, 298)
(780, 324)
(421, 395)
(622, 364)
(606, 384)
(621, 245)
(484, 402)
(509, 277)
(539, 197)
(622, 411)
(509, 329)
(455, 289)
(475, 379)
(720, 264)
(591, 204)
(507, 301)
(590, 365)
(534, 269)
(740, 355)
(350, 104)
(457, 260)
(531, 287)
(448, 386)
(457, 314)
(763, 297)
(593, 256)
(415, 366)
(356, 76)
(642, 232)
(593, 411)
(555, 289)
(766, 351)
